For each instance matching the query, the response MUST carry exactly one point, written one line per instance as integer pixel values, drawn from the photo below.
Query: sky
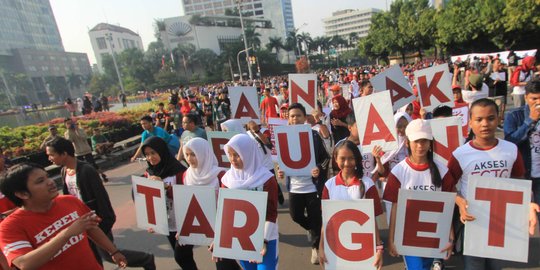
(76, 17)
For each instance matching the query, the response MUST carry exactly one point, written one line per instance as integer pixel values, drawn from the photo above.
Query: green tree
(274, 43)
(159, 26)
(184, 52)
(207, 59)
(253, 38)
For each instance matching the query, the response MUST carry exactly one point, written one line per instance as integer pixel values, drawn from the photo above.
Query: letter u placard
(296, 155)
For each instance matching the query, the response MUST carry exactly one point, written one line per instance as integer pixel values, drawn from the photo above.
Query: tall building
(107, 38)
(279, 12)
(344, 22)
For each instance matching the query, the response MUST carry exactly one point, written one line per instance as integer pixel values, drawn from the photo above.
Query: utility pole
(245, 39)
(108, 36)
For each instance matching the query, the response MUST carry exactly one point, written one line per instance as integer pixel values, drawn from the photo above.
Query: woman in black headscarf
(162, 166)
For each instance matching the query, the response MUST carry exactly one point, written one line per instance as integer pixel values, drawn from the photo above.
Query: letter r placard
(240, 224)
(150, 206)
(501, 207)
(294, 144)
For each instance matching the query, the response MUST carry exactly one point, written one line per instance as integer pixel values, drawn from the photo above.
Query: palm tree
(275, 43)
(159, 26)
(290, 45)
(292, 38)
(252, 38)
(305, 38)
(185, 51)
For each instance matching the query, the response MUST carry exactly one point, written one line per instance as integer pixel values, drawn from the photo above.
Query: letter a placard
(434, 87)
(240, 224)
(295, 151)
(303, 90)
(375, 121)
(349, 234)
(423, 222)
(501, 208)
(392, 79)
(217, 139)
(447, 136)
(150, 205)
(195, 212)
(244, 103)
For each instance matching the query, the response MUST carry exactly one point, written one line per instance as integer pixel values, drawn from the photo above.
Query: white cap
(418, 129)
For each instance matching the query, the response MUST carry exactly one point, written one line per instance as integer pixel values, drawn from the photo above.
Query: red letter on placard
(497, 213)
(364, 239)
(228, 231)
(374, 119)
(432, 90)
(413, 225)
(397, 91)
(245, 109)
(217, 146)
(195, 211)
(305, 156)
(453, 143)
(308, 96)
(149, 194)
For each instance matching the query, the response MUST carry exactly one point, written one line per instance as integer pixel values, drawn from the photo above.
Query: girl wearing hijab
(204, 171)
(162, 166)
(235, 125)
(338, 115)
(247, 173)
(520, 77)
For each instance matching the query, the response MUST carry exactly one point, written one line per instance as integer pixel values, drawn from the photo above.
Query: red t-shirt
(24, 231)
(269, 105)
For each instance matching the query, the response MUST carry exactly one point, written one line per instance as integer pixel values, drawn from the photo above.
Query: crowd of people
(51, 231)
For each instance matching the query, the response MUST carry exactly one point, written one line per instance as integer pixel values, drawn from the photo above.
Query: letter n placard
(501, 208)
(150, 205)
(349, 234)
(296, 155)
(423, 222)
(240, 224)
(195, 213)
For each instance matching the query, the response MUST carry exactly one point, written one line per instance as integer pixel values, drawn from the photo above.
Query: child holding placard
(351, 184)
(419, 171)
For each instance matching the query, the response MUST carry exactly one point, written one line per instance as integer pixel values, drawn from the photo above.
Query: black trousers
(134, 258)
(310, 203)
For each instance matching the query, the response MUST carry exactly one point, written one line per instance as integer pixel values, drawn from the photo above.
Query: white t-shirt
(523, 77)
(534, 141)
(302, 185)
(71, 183)
(470, 96)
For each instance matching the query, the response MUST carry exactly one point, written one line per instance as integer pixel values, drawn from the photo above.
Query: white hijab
(206, 173)
(235, 125)
(401, 139)
(254, 174)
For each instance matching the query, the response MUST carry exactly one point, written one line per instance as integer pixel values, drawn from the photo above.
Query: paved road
(294, 249)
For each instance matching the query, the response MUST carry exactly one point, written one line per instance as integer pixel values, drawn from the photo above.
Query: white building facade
(344, 22)
(106, 38)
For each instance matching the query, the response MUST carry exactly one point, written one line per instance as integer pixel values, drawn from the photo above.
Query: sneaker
(314, 256)
(437, 265)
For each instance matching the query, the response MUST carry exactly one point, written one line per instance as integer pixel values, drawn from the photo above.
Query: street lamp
(245, 39)
(108, 36)
(238, 62)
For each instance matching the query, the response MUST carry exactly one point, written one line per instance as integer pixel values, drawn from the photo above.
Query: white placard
(150, 204)
(272, 123)
(392, 79)
(240, 224)
(303, 90)
(349, 234)
(375, 121)
(434, 86)
(462, 110)
(501, 208)
(423, 222)
(296, 155)
(195, 209)
(447, 136)
(217, 139)
(245, 104)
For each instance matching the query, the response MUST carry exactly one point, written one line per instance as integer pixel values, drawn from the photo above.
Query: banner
(462, 110)
(447, 136)
(375, 121)
(303, 90)
(501, 208)
(392, 79)
(217, 139)
(245, 103)
(349, 234)
(240, 224)
(150, 204)
(296, 154)
(434, 86)
(195, 212)
(423, 221)
(272, 123)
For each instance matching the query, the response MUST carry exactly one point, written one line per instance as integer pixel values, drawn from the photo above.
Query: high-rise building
(279, 12)
(344, 22)
(107, 38)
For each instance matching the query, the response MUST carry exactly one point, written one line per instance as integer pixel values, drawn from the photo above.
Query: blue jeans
(418, 263)
(270, 259)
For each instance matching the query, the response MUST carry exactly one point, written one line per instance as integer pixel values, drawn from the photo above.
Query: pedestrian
(87, 106)
(53, 134)
(163, 167)
(246, 173)
(351, 184)
(337, 118)
(71, 107)
(191, 130)
(22, 236)
(104, 102)
(269, 106)
(521, 75)
(81, 180)
(150, 130)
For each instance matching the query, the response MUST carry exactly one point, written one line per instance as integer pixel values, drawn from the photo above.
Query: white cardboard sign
(217, 139)
(240, 224)
(392, 79)
(272, 123)
(434, 87)
(447, 136)
(349, 234)
(501, 208)
(150, 204)
(462, 110)
(195, 208)
(296, 155)
(245, 104)
(303, 90)
(423, 222)
(375, 121)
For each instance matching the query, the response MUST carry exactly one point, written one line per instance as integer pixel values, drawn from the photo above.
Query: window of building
(258, 12)
(125, 43)
(257, 5)
(102, 45)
